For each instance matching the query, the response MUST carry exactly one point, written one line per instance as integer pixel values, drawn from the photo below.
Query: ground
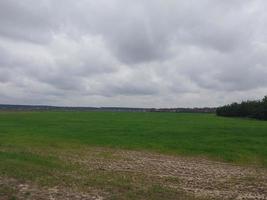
(121, 156)
(102, 173)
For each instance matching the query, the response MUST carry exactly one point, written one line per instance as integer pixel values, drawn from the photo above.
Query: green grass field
(241, 141)
(31, 144)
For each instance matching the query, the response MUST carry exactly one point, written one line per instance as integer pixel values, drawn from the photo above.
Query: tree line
(251, 109)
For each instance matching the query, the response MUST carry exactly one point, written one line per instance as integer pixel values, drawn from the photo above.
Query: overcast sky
(138, 53)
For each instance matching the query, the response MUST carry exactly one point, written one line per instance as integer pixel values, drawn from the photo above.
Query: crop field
(105, 155)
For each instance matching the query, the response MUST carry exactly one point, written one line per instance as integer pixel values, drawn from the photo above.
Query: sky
(141, 53)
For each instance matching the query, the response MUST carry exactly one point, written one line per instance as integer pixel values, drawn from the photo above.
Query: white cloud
(132, 53)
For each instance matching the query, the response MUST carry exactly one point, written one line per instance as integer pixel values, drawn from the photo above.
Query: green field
(30, 141)
(241, 141)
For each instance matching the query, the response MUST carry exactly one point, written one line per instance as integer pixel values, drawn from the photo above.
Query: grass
(26, 138)
(233, 140)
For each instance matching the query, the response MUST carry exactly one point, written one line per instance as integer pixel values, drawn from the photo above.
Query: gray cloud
(132, 53)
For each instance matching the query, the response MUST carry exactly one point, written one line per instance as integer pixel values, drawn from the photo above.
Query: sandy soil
(200, 177)
(28, 191)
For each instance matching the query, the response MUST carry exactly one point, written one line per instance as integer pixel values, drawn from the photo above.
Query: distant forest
(251, 109)
(5, 107)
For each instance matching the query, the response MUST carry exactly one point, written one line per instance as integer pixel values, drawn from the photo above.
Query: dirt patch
(200, 177)
(11, 189)
(94, 170)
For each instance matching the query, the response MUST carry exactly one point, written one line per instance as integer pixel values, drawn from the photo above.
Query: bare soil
(199, 177)
(11, 189)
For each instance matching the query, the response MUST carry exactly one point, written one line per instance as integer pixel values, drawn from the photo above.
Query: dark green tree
(252, 109)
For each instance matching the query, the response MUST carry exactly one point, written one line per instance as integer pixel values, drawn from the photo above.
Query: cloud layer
(143, 53)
